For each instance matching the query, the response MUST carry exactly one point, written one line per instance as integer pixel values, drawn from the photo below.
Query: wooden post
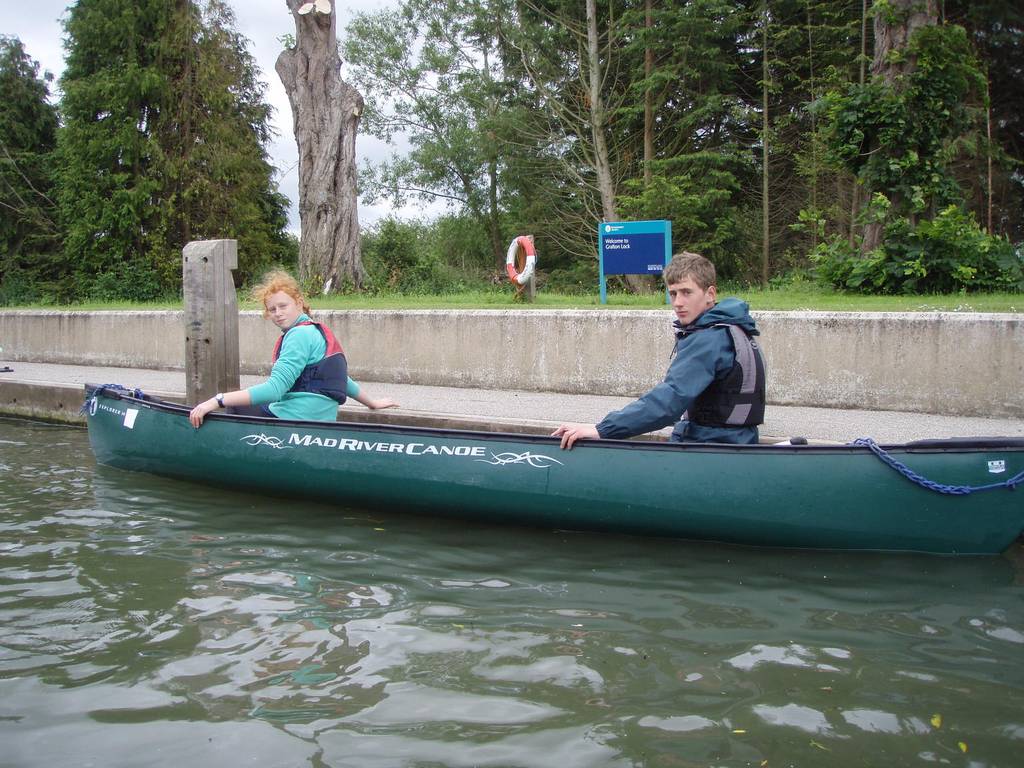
(531, 284)
(211, 318)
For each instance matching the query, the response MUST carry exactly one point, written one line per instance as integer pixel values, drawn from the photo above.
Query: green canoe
(912, 497)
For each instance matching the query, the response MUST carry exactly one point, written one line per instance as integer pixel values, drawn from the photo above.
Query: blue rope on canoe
(931, 485)
(134, 393)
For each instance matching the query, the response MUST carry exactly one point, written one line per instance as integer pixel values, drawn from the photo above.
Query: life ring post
(520, 264)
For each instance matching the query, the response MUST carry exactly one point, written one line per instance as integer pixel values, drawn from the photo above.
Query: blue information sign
(633, 248)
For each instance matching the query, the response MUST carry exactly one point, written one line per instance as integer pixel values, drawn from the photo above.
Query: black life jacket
(737, 400)
(327, 377)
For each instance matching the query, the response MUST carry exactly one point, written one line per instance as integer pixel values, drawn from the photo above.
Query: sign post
(633, 248)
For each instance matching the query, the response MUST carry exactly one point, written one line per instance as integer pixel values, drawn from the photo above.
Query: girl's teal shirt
(302, 345)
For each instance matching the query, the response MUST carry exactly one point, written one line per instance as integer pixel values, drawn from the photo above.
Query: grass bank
(789, 298)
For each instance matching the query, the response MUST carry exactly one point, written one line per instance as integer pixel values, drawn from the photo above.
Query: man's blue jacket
(699, 359)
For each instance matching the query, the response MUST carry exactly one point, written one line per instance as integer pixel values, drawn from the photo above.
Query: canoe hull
(831, 497)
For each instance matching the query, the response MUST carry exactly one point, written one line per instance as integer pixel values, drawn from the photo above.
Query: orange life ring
(514, 275)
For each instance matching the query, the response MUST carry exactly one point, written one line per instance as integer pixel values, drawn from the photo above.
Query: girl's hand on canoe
(570, 433)
(197, 414)
(374, 403)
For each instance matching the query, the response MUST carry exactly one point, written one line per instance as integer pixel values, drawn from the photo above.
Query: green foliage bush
(390, 250)
(397, 259)
(897, 137)
(460, 242)
(946, 254)
(697, 196)
(580, 278)
(129, 281)
(19, 287)
(901, 138)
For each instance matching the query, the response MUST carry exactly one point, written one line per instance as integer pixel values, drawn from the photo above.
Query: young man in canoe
(310, 374)
(714, 388)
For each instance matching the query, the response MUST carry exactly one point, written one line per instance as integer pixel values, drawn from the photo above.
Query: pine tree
(213, 133)
(110, 174)
(993, 177)
(703, 177)
(811, 48)
(164, 142)
(28, 126)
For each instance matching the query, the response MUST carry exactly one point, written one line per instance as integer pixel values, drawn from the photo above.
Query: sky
(38, 25)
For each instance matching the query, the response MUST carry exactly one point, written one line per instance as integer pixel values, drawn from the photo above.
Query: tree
(893, 63)
(901, 133)
(213, 136)
(996, 28)
(704, 172)
(163, 142)
(28, 127)
(699, 112)
(110, 173)
(432, 74)
(765, 144)
(325, 112)
(570, 81)
(808, 47)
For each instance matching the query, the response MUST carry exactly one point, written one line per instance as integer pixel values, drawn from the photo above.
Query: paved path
(542, 411)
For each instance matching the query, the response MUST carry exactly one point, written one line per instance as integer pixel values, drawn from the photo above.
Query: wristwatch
(219, 397)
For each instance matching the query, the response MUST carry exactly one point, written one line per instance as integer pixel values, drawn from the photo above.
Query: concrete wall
(119, 339)
(943, 362)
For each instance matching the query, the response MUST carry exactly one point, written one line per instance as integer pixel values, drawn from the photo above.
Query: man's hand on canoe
(570, 433)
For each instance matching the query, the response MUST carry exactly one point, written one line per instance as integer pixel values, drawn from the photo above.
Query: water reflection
(142, 620)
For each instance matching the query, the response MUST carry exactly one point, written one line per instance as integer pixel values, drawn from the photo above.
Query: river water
(149, 622)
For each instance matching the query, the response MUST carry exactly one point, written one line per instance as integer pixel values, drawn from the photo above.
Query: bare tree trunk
(648, 97)
(325, 112)
(765, 229)
(855, 188)
(598, 118)
(814, 128)
(988, 153)
(493, 212)
(185, 110)
(893, 30)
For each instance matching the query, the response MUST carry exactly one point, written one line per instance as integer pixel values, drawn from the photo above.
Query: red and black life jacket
(327, 377)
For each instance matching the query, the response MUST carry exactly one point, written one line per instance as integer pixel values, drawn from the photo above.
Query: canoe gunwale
(934, 445)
